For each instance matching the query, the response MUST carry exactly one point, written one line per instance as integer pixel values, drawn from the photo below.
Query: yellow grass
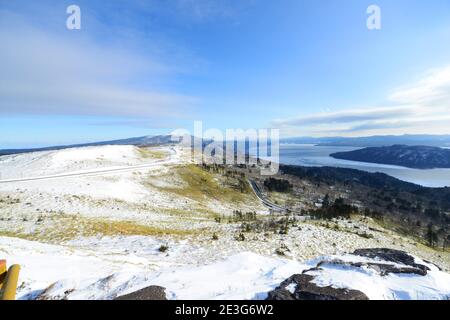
(198, 184)
(151, 154)
(71, 227)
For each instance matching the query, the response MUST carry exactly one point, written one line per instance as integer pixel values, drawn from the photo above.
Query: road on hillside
(168, 160)
(264, 200)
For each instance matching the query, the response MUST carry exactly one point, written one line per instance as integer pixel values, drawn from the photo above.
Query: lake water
(317, 156)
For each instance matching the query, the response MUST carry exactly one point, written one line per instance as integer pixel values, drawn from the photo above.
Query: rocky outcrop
(148, 293)
(301, 287)
(394, 256)
(382, 261)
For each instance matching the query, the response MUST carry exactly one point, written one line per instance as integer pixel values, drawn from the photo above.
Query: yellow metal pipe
(3, 270)
(9, 287)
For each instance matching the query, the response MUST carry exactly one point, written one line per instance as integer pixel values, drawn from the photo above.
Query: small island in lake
(417, 157)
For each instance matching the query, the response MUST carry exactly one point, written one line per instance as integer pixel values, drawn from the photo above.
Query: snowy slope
(98, 172)
(105, 267)
(69, 160)
(65, 272)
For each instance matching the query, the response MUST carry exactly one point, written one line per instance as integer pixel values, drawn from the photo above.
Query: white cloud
(345, 116)
(422, 107)
(433, 90)
(71, 74)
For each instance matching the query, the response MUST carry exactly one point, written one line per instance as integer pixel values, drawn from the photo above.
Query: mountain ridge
(373, 141)
(135, 141)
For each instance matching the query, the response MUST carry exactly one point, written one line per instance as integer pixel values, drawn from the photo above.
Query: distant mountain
(137, 141)
(374, 141)
(419, 157)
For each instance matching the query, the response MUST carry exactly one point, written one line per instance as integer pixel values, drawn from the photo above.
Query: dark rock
(390, 255)
(306, 290)
(396, 256)
(381, 268)
(385, 269)
(316, 268)
(149, 293)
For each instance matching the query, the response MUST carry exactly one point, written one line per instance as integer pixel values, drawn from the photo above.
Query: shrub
(278, 185)
(163, 248)
(240, 237)
(431, 236)
(338, 209)
(365, 235)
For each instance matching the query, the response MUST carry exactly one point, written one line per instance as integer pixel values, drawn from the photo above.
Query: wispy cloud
(345, 116)
(48, 73)
(421, 107)
(431, 91)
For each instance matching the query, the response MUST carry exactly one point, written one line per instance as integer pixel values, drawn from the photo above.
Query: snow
(243, 276)
(101, 172)
(70, 268)
(291, 287)
(68, 160)
(94, 274)
(240, 277)
(193, 268)
(435, 285)
(97, 272)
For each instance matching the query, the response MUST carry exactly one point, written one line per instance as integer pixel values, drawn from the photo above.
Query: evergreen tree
(431, 236)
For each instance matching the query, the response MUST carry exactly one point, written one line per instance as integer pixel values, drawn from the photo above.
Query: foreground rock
(149, 293)
(375, 263)
(300, 287)
(390, 255)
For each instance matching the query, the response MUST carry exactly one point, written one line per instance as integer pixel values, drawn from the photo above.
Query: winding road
(264, 200)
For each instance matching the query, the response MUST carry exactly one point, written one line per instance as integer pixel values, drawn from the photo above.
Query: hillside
(418, 157)
(373, 141)
(101, 222)
(144, 141)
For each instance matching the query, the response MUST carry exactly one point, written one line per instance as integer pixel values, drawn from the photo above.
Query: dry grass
(151, 154)
(281, 198)
(66, 228)
(191, 214)
(198, 184)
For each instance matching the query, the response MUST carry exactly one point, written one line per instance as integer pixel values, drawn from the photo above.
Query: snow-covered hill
(145, 141)
(100, 222)
(69, 160)
(63, 272)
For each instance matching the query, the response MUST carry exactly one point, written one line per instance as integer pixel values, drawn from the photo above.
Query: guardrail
(8, 281)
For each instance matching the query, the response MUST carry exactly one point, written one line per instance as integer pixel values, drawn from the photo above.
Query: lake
(318, 156)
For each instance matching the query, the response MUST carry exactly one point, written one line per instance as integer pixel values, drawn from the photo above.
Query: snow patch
(105, 270)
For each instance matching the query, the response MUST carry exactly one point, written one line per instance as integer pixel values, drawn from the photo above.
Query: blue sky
(148, 67)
